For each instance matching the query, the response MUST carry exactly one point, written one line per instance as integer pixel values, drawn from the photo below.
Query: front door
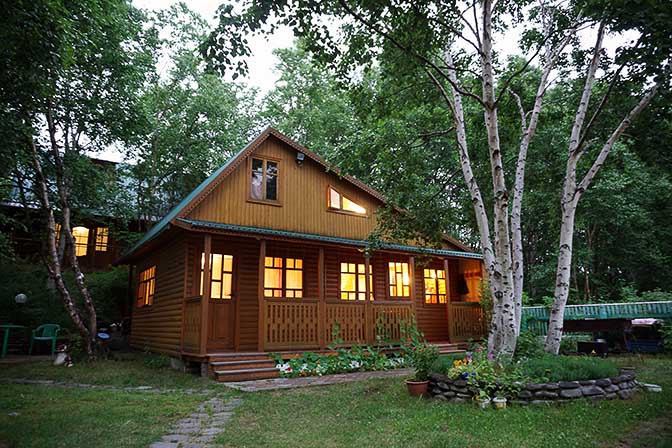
(222, 313)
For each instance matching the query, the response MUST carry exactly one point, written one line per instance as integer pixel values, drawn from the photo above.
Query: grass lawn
(371, 413)
(127, 369)
(70, 417)
(380, 413)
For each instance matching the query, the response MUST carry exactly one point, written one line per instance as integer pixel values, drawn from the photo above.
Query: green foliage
(568, 368)
(108, 291)
(529, 345)
(419, 353)
(667, 336)
(487, 375)
(156, 361)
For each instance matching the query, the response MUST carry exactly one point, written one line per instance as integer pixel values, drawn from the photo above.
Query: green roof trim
(326, 239)
(164, 223)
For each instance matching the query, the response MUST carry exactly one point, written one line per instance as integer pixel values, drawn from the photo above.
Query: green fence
(535, 318)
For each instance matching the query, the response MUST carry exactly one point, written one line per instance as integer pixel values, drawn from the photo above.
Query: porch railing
(292, 324)
(466, 320)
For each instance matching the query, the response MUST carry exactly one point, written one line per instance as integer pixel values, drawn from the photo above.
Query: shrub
(419, 353)
(529, 345)
(567, 368)
(445, 362)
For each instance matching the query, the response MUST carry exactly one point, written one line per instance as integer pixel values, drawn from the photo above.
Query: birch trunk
(53, 263)
(572, 194)
(504, 341)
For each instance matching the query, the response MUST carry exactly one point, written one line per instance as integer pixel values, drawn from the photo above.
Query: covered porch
(258, 294)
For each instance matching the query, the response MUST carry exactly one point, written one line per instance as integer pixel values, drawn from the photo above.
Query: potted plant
(482, 399)
(422, 356)
(499, 402)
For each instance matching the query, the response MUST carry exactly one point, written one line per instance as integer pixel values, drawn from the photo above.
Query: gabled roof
(209, 184)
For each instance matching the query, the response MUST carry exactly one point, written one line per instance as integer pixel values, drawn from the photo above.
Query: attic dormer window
(338, 201)
(264, 180)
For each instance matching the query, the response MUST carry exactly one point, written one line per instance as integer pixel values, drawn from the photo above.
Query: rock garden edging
(623, 386)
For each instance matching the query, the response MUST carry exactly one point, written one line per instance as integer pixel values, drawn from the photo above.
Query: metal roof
(325, 239)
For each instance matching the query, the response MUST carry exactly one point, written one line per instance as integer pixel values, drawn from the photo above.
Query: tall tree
(71, 73)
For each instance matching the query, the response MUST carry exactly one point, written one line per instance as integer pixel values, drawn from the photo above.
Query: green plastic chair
(46, 332)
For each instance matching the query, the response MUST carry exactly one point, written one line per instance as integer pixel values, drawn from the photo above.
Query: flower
(491, 356)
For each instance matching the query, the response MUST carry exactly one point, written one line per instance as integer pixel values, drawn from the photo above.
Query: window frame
(148, 299)
(357, 291)
(341, 197)
(84, 245)
(102, 233)
(276, 202)
(436, 283)
(283, 278)
(201, 262)
(390, 285)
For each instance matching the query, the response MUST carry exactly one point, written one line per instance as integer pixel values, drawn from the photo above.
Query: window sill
(263, 202)
(345, 212)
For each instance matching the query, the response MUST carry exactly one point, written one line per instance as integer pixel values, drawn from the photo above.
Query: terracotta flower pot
(417, 388)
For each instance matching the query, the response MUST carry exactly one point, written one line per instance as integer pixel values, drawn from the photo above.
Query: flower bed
(355, 359)
(623, 386)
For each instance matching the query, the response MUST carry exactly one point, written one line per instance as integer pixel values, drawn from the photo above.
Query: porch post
(321, 305)
(369, 330)
(205, 299)
(449, 316)
(261, 335)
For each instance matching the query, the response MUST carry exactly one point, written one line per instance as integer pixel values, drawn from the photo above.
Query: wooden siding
(302, 195)
(158, 327)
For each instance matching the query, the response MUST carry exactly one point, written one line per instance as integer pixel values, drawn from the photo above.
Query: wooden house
(267, 255)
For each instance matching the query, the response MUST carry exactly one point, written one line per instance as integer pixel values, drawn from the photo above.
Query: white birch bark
(572, 194)
(504, 341)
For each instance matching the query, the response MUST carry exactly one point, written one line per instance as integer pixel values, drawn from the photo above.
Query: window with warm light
(353, 281)
(81, 235)
(338, 201)
(221, 275)
(400, 279)
(264, 180)
(146, 282)
(283, 277)
(101, 239)
(435, 286)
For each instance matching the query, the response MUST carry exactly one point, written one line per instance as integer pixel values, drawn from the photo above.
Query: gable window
(400, 280)
(435, 286)
(221, 275)
(146, 281)
(101, 239)
(283, 277)
(264, 180)
(81, 235)
(353, 282)
(338, 201)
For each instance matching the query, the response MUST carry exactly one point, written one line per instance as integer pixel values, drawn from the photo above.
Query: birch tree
(574, 187)
(74, 71)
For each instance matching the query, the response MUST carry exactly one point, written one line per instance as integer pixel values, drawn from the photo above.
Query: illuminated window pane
(216, 266)
(228, 263)
(400, 279)
(146, 282)
(350, 206)
(227, 281)
(101, 239)
(81, 235)
(216, 290)
(272, 278)
(334, 199)
(294, 279)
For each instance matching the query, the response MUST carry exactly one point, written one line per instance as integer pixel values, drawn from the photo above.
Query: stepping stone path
(199, 429)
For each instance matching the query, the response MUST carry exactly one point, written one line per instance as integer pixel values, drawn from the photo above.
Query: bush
(529, 345)
(445, 362)
(568, 368)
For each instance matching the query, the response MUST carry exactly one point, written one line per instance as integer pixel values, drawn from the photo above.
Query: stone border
(623, 386)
